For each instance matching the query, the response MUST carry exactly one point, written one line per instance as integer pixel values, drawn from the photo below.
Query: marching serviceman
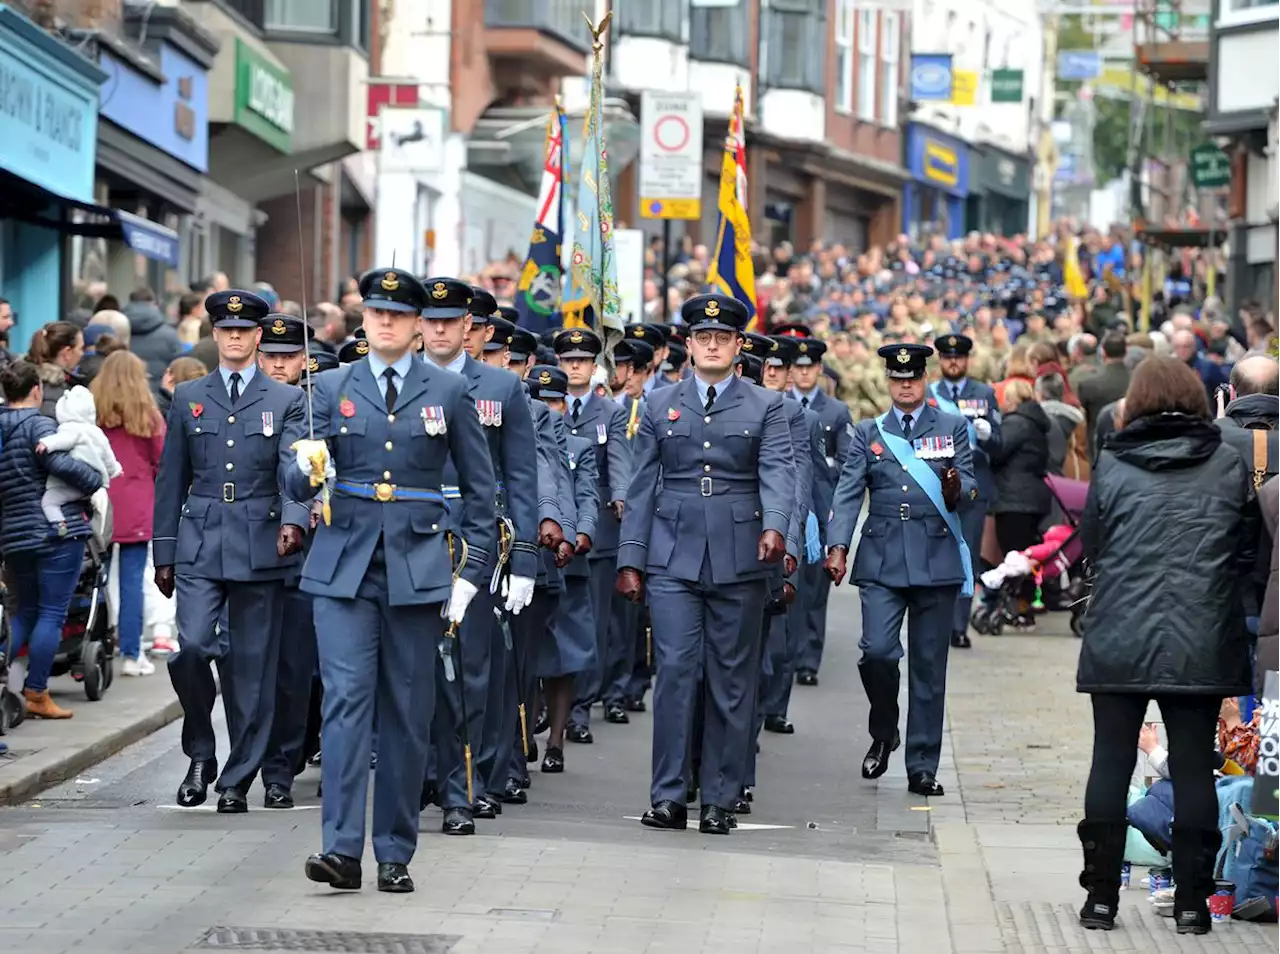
(959, 394)
(282, 356)
(912, 560)
(604, 424)
(224, 535)
(503, 411)
(707, 514)
(381, 569)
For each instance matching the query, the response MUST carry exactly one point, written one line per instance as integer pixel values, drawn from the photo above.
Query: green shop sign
(1210, 167)
(1006, 86)
(264, 98)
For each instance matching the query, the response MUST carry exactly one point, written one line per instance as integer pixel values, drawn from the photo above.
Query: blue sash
(948, 405)
(928, 481)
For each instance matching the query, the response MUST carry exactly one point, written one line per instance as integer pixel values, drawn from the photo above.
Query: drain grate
(1030, 928)
(339, 942)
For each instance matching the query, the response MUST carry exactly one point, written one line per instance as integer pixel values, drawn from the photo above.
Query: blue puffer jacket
(22, 480)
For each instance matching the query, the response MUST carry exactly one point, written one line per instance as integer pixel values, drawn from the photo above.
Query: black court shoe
(553, 761)
(579, 733)
(335, 870)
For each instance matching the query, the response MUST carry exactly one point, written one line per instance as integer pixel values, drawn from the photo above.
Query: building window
(1234, 12)
(719, 34)
(302, 16)
(867, 64)
(890, 43)
(664, 19)
(360, 23)
(844, 55)
(795, 46)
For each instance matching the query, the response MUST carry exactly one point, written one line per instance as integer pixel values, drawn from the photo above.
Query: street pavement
(104, 862)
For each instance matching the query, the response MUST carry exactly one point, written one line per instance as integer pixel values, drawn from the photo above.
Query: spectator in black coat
(152, 339)
(1169, 528)
(1106, 385)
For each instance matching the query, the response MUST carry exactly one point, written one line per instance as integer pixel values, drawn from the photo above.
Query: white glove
(982, 428)
(519, 594)
(313, 460)
(463, 594)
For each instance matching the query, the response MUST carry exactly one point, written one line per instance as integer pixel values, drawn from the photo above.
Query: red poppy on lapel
(672, 414)
(347, 408)
(196, 409)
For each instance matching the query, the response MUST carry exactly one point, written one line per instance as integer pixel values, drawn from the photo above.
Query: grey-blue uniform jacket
(371, 447)
(580, 453)
(836, 422)
(218, 504)
(552, 489)
(824, 478)
(708, 483)
(905, 541)
(803, 457)
(604, 423)
(514, 454)
(983, 405)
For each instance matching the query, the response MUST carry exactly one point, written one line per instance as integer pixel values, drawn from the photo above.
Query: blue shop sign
(48, 109)
(931, 77)
(937, 160)
(173, 116)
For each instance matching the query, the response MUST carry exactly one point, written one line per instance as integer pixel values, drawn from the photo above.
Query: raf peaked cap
(756, 344)
(353, 351)
(503, 332)
(954, 346)
(714, 313)
(321, 361)
(578, 343)
(546, 380)
(650, 334)
(447, 298)
(905, 360)
(633, 351)
(808, 351)
(510, 313)
(782, 352)
(752, 367)
(235, 308)
(676, 357)
(524, 345)
(392, 289)
(282, 334)
(483, 305)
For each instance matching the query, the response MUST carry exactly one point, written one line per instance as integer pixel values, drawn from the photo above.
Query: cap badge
(439, 290)
(390, 282)
(362, 347)
(313, 364)
(544, 377)
(773, 346)
(952, 341)
(748, 345)
(904, 356)
(278, 327)
(576, 338)
(233, 304)
(712, 310)
(638, 333)
(803, 347)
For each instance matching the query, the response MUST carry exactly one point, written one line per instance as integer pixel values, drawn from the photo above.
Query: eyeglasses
(722, 338)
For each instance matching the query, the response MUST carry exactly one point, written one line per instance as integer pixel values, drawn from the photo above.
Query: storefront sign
(937, 160)
(1006, 86)
(931, 77)
(264, 98)
(48, 109)
(1003, 173)
(964, 88)
(173, 115)
(1210, 167)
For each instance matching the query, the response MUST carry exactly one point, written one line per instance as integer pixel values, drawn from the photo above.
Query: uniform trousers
(245, 651)
(527, 629)
(621, 662)
(588, 684)
(786, 636)
(472, 666)
(286, 756)
(703, 631)
(928, 610)
(504, 713)
(972, 521)
(641, 664)
(373, 652)
(815, 580)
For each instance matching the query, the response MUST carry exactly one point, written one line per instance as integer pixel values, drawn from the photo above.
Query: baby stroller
(1057, 561)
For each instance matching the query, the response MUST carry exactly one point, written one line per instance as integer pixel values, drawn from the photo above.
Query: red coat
(133, 493)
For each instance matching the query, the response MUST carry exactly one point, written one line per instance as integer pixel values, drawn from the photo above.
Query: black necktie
(577, 409)
(804, 403)
(392, 393)
(235, 387)
(711, 396)
(906, 426)
(955, 393)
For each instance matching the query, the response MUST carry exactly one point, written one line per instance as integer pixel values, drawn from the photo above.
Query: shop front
(933, 200)
(48, 138)
(1000, 199)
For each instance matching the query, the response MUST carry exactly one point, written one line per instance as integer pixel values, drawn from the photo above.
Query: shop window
(302, 16)
(867, 64)
(795, 46)
(844, 55)
(718, 34)
(890, 45)
(1234, 12)
(664, 19)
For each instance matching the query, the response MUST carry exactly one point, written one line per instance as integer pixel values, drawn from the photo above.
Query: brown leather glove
(288, 541)
(835, 563)
(564, 554)
(789, 564)
(788, 593)
(771, 548)
(550, 535)
(630, 584)
(165, 581)
(951, 488)
(584, 544)
(616, 505)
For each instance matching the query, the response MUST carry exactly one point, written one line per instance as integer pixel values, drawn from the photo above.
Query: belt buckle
(904, 511)
(384, 493)
(228, 492)
(704, 486)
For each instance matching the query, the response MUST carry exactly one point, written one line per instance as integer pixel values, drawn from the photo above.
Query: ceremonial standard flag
(731, 269)
(538, 291)
(593, 271)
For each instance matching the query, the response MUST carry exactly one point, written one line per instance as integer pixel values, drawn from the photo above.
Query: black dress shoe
(715, 821)
(526, 781)
(373, 761)
(691, 794)
(922, 783)
(668, 815)
(314, 760)
(393, 877)
(579, 733)
(740, 806)
(430, 796)
(458, 821)
(194, 788)
(513, 794)
(807, 677)
(748, 794)
(277, 796)
(616, 714)
(494, 799)
(961, 641)
(542, 723)
(876, 762)
(232, 802)
(733, 820)
(779, 724)
(335, 870)
(481, 808)
(532, 755)
(633, 705)
(553, 761)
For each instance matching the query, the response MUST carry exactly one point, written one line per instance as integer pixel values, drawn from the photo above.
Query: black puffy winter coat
(1170, 529)
(1021, 460)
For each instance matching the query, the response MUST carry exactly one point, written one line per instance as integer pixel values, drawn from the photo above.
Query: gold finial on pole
(597, 30)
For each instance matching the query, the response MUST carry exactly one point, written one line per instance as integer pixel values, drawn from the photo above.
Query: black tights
(1191, 722)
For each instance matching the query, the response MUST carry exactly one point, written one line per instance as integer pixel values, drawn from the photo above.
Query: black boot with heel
(1195, 853)
(1103, 845)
